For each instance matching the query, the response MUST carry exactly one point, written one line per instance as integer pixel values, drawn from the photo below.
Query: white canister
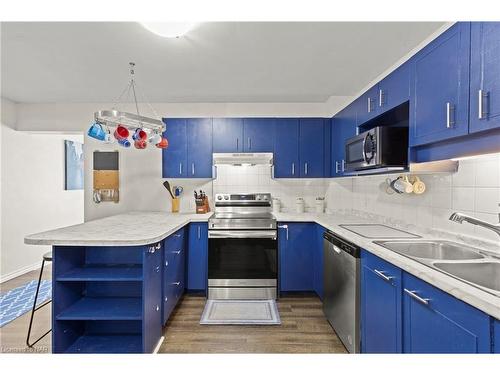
(299, 205)
(320, 205)
(276, 205)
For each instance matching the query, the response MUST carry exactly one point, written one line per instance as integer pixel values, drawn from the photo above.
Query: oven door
(242, 258)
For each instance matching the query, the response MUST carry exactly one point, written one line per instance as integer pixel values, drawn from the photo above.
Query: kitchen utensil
(396, 187)
(96, 131)
(418, 186)
(124, 142)
(163, 143)
(140, 144)
(155, 138)
(407, 184)
(389, 189)
(178, 190)
(169, 189)
(121, 133)
(139, 135)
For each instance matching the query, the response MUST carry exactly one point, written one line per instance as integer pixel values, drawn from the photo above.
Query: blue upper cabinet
(485, 76)
(286, 148)
(343, 127)
(199, 148)
(258, 134)
(435, 322)
(296, 256)
(228, 135)
(311, 143)
(394, 89)
(381, 287)
(439, 87)
(174, 158)
(369, 105)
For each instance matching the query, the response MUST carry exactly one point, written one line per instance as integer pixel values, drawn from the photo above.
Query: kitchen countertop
(130, 229)
(143, 228)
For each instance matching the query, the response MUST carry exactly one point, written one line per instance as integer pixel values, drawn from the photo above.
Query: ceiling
(215, 62)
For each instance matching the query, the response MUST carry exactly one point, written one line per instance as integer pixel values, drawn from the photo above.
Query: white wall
(33, 198)
(473, 190)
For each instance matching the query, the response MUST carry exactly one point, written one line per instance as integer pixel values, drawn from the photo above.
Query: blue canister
(96, 131)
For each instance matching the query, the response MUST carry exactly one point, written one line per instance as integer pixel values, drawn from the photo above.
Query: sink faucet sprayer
(460, 218)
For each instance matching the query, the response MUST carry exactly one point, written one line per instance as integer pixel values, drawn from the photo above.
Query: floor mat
(251, 312)
(18, 301)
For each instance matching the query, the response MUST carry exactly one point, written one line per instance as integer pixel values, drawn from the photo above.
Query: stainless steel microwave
(380, 147)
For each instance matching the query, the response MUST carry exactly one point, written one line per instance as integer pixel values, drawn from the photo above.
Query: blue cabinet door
(152, 293)
(318, 261)
(174, 158)
(199, 148)
(197, 257)
(496, 336)
(485, 76)
(369, 105)
(394, 89)
(296, 256)
(286, 148)
(343, 128)
(381, 306)
(173, 271)
(435, 322)
(227, 135)
(440, 88)
(258, 134)
(311, 143)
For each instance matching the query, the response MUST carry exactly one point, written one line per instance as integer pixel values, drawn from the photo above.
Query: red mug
(163, 143)
(121, 133)
(140, 144)
(139, 135)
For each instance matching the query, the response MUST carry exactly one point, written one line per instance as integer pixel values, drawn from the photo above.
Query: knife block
(202, 206)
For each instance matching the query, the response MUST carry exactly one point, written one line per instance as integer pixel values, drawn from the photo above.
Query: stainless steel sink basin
(485, 274)
(433, 250)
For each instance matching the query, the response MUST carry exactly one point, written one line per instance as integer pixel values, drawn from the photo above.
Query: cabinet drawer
(375, 263)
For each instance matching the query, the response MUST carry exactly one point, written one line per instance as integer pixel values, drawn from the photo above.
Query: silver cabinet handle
(177, 235)
(166, 299)
(249, 141)
(157, 308)
(381, 98)
(177, 283)
(382, 275)
(157, 269)
(166, 263)
(284, 227)
(180, 168)
(293, 169)
(199, 233)
(370, 108)
(336, 167)
(305, 168)
(343, 165)
(482, 110)
(176, 252)
(450, 115)
(158, 246)
(192, 168)
(237, 144)
(412, 293)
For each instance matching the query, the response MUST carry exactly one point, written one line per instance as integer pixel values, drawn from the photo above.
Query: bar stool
(47, 257)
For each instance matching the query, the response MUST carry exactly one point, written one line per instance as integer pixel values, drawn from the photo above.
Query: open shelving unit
(106, 299)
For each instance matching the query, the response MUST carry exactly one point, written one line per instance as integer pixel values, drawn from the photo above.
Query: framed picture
(73, 161)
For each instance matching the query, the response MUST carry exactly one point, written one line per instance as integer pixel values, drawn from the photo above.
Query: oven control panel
(260, 197)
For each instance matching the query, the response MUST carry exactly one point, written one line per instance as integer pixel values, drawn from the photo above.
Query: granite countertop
(476, 297)
(143, 228)
(130, 229)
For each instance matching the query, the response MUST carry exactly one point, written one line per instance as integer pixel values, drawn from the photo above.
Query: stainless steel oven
(380, 147)
(242, 250)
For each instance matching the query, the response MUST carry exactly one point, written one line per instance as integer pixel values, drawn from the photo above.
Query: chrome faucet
(460, 218)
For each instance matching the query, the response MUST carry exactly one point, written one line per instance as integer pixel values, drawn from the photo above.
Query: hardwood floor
(13, 335)
(303, 329)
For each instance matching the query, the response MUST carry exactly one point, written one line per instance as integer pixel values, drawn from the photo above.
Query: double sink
(465, 263)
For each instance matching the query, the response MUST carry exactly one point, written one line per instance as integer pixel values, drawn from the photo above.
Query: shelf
(107, 344)
(103, 273)
(108, 308)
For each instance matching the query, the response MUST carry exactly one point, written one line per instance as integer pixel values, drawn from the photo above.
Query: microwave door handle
(365, 159)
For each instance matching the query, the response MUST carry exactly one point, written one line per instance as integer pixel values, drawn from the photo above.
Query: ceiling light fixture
(169, 29)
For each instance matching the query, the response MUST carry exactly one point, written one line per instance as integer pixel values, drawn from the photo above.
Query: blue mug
(96, 131)
(124, 142)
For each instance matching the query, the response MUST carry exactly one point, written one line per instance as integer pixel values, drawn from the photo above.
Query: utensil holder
(175, 204)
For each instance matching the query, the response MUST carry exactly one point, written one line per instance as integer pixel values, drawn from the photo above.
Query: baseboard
(22, 271)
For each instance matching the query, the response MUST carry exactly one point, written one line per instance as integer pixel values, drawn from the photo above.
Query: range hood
(244, 158)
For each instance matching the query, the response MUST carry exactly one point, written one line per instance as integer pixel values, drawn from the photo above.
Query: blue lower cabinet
(435, 322)
(197, 257)
(173, 272)
(318, 261)
(381, 287)
(296, 256)
(151, 301)
(496, 336)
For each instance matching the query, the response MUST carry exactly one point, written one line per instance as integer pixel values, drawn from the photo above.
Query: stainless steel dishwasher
(341, 301)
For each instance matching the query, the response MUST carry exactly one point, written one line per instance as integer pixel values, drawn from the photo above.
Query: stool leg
(30, 345)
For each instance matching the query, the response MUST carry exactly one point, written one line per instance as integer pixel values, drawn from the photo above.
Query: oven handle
(265, 234)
